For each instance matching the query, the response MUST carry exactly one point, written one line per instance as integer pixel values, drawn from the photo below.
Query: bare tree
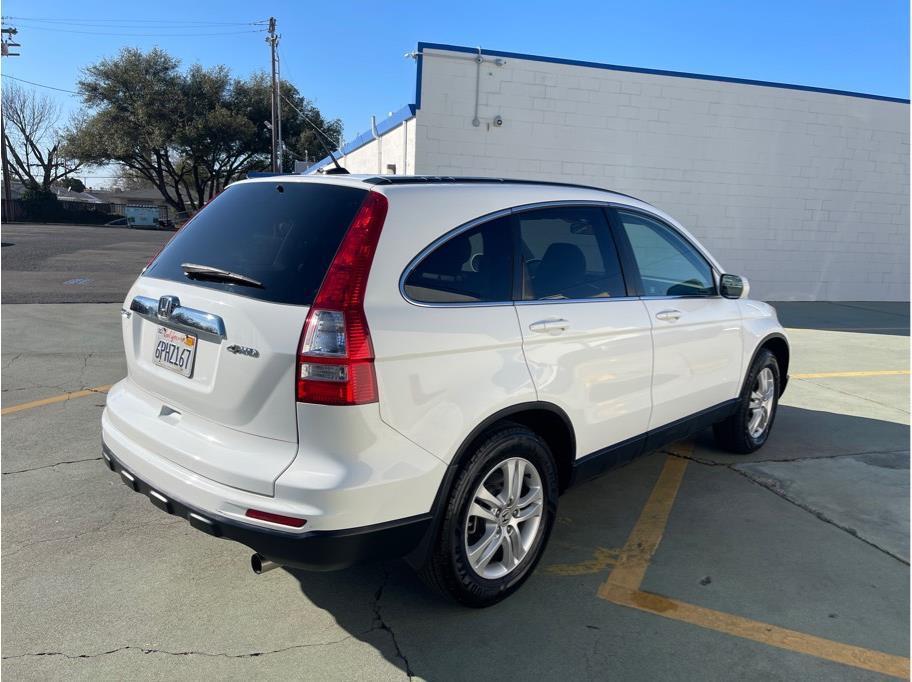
(34, 138)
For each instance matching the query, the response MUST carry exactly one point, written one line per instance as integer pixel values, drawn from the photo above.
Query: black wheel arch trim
(783, 378)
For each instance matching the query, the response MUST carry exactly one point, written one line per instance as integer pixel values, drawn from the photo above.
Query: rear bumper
(350, 469)
(313, 550)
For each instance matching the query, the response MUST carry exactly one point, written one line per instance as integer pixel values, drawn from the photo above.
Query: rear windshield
(283, 235)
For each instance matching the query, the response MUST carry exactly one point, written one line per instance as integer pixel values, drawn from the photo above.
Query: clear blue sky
(348, 56)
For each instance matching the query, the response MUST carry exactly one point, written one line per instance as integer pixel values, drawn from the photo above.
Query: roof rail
(449, 179)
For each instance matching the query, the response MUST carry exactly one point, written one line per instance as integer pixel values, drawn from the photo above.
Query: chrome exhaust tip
(261, 564)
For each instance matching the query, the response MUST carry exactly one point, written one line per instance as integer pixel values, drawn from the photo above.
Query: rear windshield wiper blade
(193, 270)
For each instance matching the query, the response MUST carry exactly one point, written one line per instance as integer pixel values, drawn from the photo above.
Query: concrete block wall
(805, 192)
(396, 147)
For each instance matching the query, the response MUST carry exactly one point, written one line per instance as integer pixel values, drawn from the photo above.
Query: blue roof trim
(384, 126)
(630, 69)
(420, 61)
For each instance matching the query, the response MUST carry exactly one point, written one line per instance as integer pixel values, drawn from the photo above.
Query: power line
(149, 35)
(140, 22)
(325, 135)
(40, 85)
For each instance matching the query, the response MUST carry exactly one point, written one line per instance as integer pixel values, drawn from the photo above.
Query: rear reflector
(275, 518)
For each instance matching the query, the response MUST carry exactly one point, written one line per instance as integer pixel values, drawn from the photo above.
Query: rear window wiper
(194, 271)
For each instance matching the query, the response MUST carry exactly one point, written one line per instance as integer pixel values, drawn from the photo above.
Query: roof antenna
(338, 170)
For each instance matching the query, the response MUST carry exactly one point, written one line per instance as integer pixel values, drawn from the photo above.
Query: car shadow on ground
(865, 317)
(555, 626)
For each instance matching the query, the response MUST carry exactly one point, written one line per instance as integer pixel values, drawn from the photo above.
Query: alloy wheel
(504, 518)
(760, 407)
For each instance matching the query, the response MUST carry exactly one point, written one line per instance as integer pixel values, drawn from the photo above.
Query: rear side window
(568, 253)
(668, 264)
(474, 266)
(283, 235)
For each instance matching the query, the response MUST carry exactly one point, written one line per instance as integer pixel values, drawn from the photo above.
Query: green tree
(73, 184)
(188, 132)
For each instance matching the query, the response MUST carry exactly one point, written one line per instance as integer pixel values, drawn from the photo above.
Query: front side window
(668, 264)
(475, 266)
(568, 253)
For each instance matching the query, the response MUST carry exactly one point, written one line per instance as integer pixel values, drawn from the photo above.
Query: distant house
(148, 196)
(64, 194)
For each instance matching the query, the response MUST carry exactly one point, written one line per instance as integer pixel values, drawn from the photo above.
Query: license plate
(175, 351)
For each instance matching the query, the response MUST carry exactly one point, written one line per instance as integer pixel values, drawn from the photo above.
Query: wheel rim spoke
(513, 551)
(482, 512)
(480, 554)
(512, 476)
(529, 506)
(486, 497)
(509, 551)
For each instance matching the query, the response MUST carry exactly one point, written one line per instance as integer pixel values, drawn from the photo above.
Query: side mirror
(733, 286)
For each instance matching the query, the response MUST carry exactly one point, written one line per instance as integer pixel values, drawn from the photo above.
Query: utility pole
(7, 43)
(280, 144)
(7, 190)
(273, 40)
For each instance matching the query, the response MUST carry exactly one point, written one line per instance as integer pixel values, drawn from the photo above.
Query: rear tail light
(336, 358)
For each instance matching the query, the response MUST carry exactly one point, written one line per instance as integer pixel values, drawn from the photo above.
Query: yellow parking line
(837, 375)
(745, 628)
(55, 399)
(634, 558)
(623, 588)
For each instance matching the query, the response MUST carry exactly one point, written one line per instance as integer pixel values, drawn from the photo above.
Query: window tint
(668, 264)
(474, 266)
(281, 234)
(568, 252)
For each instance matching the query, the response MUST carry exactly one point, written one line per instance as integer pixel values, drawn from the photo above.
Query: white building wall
(395, 147)
(806, 193)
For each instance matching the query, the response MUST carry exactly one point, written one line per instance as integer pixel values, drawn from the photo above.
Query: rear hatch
(215, 325)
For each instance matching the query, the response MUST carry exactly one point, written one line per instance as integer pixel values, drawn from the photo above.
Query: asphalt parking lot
(792, 563)
(73, 264)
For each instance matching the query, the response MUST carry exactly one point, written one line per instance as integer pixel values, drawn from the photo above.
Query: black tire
(446, 567)
(733, 434)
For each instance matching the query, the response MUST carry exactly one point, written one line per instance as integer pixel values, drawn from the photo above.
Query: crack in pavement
(782, 494)
(58, 387)
(85, 366)
(818, 514)
(852, 395)
(50, 466)
(98, 529)
(12, 360)
(715, 463)
(381, 624)
(145, 650)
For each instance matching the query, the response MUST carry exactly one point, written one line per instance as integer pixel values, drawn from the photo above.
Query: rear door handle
(670, 315)
(549, 326)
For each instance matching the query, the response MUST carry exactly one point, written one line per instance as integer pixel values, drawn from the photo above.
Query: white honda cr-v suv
(330, 369)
